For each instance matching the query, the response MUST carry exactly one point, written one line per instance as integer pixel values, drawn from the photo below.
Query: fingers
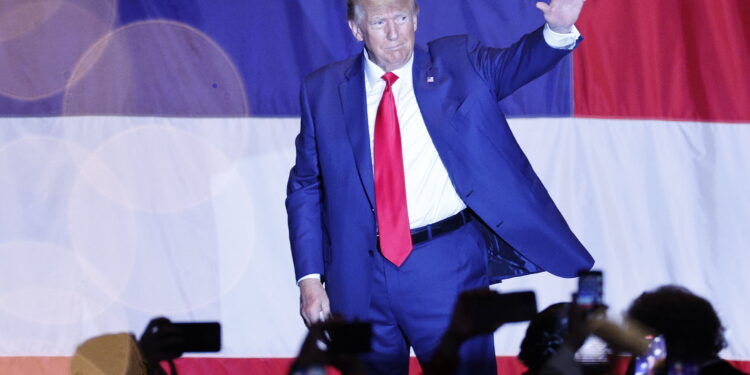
(544, 7)
(325, 308)
(310, 314)
(312, 310)
(314, 304)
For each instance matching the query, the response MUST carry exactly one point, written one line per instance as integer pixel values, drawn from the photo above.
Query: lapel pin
(430, 79)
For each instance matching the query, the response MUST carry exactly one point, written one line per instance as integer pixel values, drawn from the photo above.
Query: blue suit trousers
(412, 305)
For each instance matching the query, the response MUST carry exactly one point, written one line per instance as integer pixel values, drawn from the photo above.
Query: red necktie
(390, 188)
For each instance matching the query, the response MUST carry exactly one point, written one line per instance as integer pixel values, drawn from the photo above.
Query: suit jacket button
(372, 253)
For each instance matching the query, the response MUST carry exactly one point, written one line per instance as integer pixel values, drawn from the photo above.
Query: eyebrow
(395, 15)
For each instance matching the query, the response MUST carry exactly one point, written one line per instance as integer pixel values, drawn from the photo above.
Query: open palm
(561, 14)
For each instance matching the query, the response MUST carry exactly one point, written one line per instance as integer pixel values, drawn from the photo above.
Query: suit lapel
(354, 106)
(427, 82)
(436, 105)
(430, 89)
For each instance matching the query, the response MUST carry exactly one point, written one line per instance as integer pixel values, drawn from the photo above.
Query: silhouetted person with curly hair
(692, 329)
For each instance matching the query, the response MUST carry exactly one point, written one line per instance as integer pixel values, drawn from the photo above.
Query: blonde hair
(354, 10)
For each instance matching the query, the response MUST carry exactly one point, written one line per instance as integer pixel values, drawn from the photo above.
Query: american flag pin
(430, 79)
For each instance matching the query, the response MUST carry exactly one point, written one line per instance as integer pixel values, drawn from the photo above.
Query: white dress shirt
(430, 196)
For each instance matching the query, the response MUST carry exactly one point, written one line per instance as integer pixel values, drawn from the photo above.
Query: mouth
(394, 47)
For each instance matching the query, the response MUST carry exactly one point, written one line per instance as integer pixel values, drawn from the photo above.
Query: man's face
(387, 27)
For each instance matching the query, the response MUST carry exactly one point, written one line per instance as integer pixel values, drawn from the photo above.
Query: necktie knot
(389, 79)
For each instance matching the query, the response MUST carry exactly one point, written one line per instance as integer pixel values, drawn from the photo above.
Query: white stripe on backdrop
(106, 222)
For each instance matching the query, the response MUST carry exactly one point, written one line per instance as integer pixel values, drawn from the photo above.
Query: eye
(402, 19)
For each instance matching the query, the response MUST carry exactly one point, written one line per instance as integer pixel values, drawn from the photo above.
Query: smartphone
(590, 290)
(653, 358)
(349, 338)
(515, 307)
(197, 337)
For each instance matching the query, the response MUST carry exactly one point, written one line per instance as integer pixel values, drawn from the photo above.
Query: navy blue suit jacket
(331, 200)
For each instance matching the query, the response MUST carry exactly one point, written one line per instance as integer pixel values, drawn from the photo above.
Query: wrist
(562, 29)
(309, 276)
(309, 282)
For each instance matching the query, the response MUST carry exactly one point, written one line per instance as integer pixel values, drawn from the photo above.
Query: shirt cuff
(560, 41)
(310, 276)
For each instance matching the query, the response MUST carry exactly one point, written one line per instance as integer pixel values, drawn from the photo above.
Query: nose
(391, 31)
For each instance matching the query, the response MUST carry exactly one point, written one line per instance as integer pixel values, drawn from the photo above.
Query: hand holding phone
(334, 342)
(483, 311)
(164, 340)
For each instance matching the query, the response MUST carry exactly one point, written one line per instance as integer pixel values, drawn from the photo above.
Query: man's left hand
(561, 14)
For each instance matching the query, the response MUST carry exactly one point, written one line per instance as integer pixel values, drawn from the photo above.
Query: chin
(397, 60)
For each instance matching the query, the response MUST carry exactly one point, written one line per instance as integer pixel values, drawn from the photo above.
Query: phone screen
(590, 289)
(654, 356)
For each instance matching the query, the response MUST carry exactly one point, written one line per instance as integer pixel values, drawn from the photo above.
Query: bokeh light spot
(42, 40)
(156, 68)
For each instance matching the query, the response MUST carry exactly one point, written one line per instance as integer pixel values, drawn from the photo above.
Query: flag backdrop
(144, 149)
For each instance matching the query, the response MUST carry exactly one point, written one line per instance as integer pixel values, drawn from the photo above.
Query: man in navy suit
(409, 187)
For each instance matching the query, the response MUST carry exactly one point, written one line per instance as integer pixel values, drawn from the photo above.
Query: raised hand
(561, 14)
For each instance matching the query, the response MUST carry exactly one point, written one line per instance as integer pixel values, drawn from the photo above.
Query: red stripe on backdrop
(743, 366)
(229, 366)
(280, 366)
(203, 366)
(666, 59)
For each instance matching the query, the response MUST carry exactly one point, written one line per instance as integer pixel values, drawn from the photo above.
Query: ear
(414, 20)
(356, 31)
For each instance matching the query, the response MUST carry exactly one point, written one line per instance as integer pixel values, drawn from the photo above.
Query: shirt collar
(373, 72)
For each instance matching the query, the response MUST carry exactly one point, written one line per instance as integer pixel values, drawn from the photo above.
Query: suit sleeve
(507, 69)
(304, 198)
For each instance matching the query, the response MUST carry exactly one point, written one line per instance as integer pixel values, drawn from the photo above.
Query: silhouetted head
(689, 323)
